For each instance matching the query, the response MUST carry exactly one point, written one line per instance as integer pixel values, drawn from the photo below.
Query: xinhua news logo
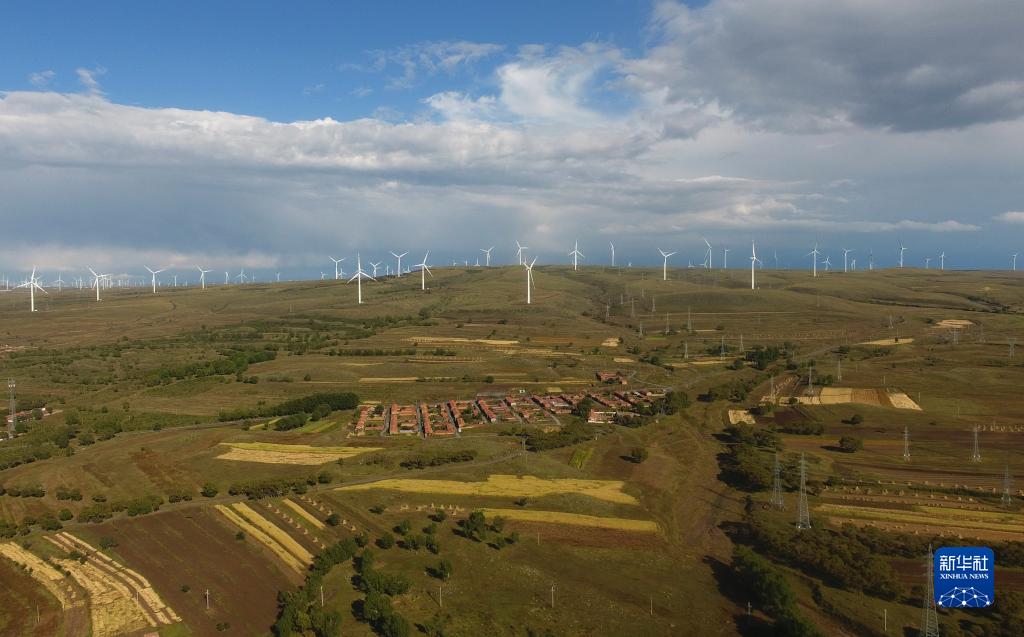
(964, 577)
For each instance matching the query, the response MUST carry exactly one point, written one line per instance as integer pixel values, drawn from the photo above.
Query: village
(516, 406)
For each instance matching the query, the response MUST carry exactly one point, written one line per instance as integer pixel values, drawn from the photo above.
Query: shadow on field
(730, 587)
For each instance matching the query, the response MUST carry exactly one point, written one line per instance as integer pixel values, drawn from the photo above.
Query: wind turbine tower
(845, 254)
(664, 263)
(814, 254)
(98, 281)
(153, 274)
(612, 246)
(529, 280)
(337, 264)
(725, 259)
(942, 261)
(902, 250)
(1014, 261)
(358, 278)
(399, 257)
(202, 276)
(487, 256)
(424, 271)
(753, 260)
(576, 254)
(32, 284)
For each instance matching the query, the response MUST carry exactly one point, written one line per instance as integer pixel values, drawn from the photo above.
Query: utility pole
(1007, 484)
(552, 596)
(839, 369)
(686, 350)
(803, 514)
(440, 599)
(207, 599)
(929, 619)
(906, 444)
(777, 500)
(976, 454)
(14, 412)
(689, 323)
(1012, 343)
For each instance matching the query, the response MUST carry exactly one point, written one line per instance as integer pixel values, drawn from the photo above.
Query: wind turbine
(488, 253)
(98, 281)
(753, 260)
(33, 284)
(153, 274)
(1014, 261)
(942, 261)
(337, 262)
(845, 253)
(375, 266)
(576, 254)
(814, 253)
(664, 263)
(871, 260)
(707, 255)
(425, 270)
(60, 282)
(927, 263)
(359, 276)
(725, 258)
(241, 276)
(902, 250)
(613, 252)
(202, 276)
(399, 257)
(529, 280)
(519, 252)
(828, 264)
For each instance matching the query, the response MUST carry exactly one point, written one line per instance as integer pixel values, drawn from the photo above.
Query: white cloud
(313, 89)
(41, 79)
(88, 79)
(427, 58)
(1011, 217)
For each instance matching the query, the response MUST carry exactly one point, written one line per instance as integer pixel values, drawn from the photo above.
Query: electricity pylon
(803, 514)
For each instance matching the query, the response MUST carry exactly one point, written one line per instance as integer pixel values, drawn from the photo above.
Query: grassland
(136, 415)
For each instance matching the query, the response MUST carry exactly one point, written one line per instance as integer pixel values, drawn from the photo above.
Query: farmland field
(196, 478)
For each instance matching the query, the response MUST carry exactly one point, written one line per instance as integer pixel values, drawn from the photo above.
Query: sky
(272, 135)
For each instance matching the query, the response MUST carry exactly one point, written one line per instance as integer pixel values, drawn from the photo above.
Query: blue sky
(285, 61)
(271, 135)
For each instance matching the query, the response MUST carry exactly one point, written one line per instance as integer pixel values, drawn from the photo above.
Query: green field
(146, 391)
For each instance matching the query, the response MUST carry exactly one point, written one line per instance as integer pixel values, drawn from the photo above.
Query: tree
(582, 408)
(638, 454)
(856, 419)
(386, 541)
(850, 444)
(475, 526)
(209, 490)
(394, 625)
(376, 607)
(443, 570)
(334, 519)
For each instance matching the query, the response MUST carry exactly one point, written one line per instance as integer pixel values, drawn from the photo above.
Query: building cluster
(490, 408)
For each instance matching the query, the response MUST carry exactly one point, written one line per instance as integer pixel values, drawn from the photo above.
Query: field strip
(303, 513)
(994, 516)
(459, 339)
(112, 606)
(270, 453)
(42, 572)
(317, 427)
(163, 613)
(399, 379)
(888, 341)
(575, 519)
(506, 486)
(261, 537)
(888, 515)
(277, 533)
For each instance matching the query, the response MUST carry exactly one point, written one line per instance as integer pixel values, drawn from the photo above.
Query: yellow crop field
(270, 453)
(156, 611)
(261, 537)
(924, 519)
(506, 486)
(44, 573)
(303, 513)
(559, 517)
(275, 532)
